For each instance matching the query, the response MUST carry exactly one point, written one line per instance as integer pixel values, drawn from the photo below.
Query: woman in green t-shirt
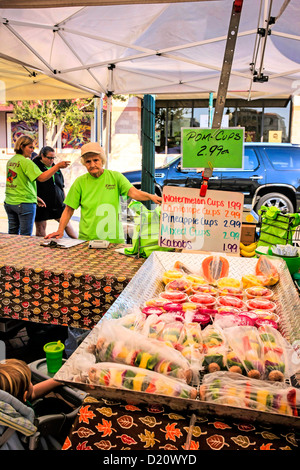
(21, 191)
(97, 193)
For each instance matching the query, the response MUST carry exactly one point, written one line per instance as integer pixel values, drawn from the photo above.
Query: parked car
(271, 176)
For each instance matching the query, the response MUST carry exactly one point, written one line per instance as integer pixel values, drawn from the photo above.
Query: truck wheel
(278, 200)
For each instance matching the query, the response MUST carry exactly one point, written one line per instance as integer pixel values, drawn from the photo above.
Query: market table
(115, 425)
(71, 287)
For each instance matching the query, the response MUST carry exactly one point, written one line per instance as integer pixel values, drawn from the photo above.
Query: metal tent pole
(227, 62)
(108, 113)
(224, 80)
(148, 146)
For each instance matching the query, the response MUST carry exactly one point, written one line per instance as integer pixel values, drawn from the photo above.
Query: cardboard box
(248, 234)
(249, 216)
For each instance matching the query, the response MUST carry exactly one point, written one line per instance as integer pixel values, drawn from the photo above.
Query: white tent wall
(20, 82)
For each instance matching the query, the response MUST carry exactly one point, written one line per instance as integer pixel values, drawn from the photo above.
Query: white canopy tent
(174, 48)
(20, 82)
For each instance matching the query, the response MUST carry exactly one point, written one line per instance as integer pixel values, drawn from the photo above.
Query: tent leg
(101, 121)
(148, 146)
(108, 129)
(108, 113)
(98, 119)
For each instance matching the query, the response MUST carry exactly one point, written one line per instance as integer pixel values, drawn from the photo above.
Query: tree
(54, 114)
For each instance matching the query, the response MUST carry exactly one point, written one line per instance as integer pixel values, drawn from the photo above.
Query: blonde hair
(22, 142)
(101, 154)
(15, 377)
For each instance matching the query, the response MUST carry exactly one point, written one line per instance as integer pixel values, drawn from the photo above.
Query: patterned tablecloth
(72, 287)
(113, 426)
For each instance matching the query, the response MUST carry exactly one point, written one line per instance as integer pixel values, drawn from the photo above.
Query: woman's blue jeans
(20, 218)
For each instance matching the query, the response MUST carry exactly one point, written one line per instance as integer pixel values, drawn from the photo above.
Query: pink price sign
(191, 222)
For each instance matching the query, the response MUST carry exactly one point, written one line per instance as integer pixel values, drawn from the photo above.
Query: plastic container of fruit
(259, 291)
(249, 314)
(153, 311)
(204, 289)
(156, 302)
(189, 306)
(201, 318)
(232, 291)
(224, 309)
(226, 319)
(173, 307)
(266, 314)
(209, 301)
(230, 301)
(263, 321)
(174, 296)
(172, 274)
(228, 282)
(196, 280)
(183, 285)
(207, 311)
(259, 303)
(245, 320)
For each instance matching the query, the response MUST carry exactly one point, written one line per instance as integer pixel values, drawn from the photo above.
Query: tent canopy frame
(182, 53)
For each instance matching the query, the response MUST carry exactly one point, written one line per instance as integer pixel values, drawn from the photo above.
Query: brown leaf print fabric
(110, 425)
(70, 287)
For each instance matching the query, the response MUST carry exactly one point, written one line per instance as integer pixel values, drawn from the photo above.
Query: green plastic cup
(54, 356)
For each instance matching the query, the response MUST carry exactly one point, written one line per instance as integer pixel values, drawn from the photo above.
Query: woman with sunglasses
(22, 176)
(51, 192)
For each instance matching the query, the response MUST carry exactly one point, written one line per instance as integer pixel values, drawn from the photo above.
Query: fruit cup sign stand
(191, 222)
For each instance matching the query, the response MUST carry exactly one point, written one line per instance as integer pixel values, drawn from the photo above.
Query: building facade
(263, 120)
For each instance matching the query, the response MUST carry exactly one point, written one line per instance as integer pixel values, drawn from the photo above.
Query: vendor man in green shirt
(98, 193)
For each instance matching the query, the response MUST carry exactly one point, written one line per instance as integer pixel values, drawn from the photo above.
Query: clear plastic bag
(133, 378)
(165, 327)
(226, 320)
(80, 366)
(132, 320)
(121, 345)
(245, 354)
(170, 333)
(191, 347)
(280, 360)
(214, 348)
(153, 326)
(227, 388)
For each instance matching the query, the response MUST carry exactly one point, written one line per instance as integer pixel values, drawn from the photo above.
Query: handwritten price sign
(212, 148)
(191, 222)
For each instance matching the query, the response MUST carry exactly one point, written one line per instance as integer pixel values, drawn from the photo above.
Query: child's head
(15, 378)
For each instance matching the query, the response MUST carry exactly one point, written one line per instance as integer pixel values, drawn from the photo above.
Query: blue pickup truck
(271, 176)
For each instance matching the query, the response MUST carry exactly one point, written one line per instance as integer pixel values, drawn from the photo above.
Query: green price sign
(212, 148)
